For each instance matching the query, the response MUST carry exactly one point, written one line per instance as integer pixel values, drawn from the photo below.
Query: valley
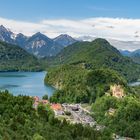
(54, 89)
(69, 70)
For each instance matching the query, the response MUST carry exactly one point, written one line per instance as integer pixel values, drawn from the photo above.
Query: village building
(36, 98)
(57, 108)
(117, 91)
(37, 101)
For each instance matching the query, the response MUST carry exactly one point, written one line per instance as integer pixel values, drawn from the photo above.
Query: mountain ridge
(135, 55)
(64, 40)
(96, 54)
(38, 44)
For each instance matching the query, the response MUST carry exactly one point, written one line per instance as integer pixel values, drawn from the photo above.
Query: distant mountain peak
(41, 36)
(64, 35)
(6, 35)
(38, 33)
(65, 40)
(125, 52)
(38, 44)
(20, 34)
(100, 40)
(2, 27)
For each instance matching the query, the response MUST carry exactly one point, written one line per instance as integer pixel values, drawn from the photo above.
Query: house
(37, 101)
(57, 108)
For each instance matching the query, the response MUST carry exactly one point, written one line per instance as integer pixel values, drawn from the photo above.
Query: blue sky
(34, 10)
(110, 19)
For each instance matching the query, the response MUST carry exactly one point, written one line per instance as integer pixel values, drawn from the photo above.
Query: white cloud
(115, 28)
(27, 28)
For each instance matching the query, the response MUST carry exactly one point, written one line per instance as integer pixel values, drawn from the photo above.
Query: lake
(134, 84)
(25, 83)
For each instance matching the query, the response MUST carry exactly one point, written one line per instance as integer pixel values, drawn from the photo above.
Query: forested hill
(97, 54)
(80, 85)
(14, 58)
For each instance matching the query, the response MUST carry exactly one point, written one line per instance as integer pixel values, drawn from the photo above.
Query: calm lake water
(25, 83)
(135, 84)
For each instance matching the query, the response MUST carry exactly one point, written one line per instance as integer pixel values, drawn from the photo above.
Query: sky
(115, 19)
(34, 10)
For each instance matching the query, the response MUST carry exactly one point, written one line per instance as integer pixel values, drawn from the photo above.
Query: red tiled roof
(56, 106)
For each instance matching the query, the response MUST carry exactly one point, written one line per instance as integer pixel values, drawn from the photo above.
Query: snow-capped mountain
(6, 35)
(38, 44)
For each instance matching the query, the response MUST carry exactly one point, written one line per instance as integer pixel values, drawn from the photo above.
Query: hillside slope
(77, 84)
(97, 54)
(14, 58)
